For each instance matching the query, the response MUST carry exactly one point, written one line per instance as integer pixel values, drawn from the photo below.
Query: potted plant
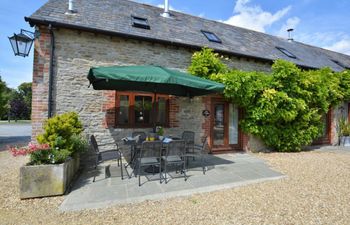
(160, 132)
(344, 132)
(55, 160)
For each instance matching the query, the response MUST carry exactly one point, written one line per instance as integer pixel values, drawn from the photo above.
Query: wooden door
(224, 131)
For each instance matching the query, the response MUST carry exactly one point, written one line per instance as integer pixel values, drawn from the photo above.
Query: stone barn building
(122, 32)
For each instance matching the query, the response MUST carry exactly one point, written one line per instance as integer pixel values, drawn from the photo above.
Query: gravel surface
(316, 191)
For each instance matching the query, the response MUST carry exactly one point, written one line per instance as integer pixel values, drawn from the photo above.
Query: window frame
(131, 109)
(140, 25)
(206, 33)
(286, 52)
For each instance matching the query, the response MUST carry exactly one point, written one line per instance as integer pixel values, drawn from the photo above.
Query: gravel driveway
(316, 191)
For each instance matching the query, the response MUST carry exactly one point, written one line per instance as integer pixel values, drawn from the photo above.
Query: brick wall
(40, 81)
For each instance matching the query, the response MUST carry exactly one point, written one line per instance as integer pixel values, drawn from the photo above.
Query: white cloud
(290, 23)
(254, 17)
(342, 46)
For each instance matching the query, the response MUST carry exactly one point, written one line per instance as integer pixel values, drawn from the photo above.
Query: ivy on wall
(285, 107)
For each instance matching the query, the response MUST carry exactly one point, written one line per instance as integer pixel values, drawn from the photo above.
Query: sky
(322, 23)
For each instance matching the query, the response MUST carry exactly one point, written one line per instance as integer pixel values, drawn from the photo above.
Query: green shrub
(284, 108)
(63, 134)
(58, 131)
(344, 127)
(206, 63)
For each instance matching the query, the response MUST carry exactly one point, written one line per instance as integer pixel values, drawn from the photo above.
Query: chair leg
(160, 172)
(165, 171)
(121, 168)
(203, 166)
(184, 170)
(96, 162)
(139, 174)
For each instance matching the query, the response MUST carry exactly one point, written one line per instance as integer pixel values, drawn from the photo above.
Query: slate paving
(224, 171)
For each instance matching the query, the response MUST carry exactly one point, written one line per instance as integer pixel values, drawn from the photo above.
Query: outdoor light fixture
(21, 43)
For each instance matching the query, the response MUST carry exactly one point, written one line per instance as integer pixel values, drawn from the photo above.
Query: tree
(3, 98)
(25, 90)
(205, 63)
(20, 101)
(18, 107)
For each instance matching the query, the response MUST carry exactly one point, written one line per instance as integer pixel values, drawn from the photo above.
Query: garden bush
(285, 107)
(61, 139)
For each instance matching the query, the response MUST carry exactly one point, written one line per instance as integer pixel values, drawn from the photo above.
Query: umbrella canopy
(154, 79)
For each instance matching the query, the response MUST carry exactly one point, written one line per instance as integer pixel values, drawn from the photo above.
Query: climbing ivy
(285, 107)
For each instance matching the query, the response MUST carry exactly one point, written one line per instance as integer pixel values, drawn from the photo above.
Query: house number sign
(206, 113)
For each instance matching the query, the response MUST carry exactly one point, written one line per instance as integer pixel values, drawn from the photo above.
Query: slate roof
(114, 17)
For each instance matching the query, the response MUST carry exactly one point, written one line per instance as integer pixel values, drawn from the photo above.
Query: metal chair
(188, 137)
(150, 155)
(200, 151)
(175, 152)
(103, 156)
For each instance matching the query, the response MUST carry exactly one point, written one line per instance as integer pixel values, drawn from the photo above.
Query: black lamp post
(22, 43)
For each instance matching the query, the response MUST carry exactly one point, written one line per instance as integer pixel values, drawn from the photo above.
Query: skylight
(140, 22)
(340, 64)
(211, 36)
(286, 52)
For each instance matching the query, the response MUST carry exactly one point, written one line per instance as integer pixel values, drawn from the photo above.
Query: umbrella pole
(154, 111)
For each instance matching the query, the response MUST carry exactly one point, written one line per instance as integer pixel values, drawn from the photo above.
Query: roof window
(211, 36)
(340, 64)
(140, 22)
(286, 52)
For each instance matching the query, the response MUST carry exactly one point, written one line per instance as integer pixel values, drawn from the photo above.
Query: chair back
(151, 149)
(188, 137)
(176, 147)
(94, 143)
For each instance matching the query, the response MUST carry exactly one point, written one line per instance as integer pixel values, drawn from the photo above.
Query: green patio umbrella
(153, 79)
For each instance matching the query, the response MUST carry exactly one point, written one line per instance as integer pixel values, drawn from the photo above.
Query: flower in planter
(31, 148)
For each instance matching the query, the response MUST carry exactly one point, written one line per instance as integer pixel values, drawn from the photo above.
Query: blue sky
(322, 23)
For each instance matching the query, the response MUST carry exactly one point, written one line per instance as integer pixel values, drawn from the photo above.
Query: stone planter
(47, 180)
(345, 141)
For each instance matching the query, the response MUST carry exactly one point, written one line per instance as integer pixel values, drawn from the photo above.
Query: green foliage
(59, 129)
(3, 98)
(206, 63)
(40, 157)
(285, 107)
(16, 102)
(25, 89)
(344, 127)
(345, 84)
(63, 134)
(160, 130)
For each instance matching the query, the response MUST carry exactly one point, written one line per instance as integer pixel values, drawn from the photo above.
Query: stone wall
(76, 52)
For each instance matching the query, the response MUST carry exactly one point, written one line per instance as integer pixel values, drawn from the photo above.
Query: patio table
(131, 141)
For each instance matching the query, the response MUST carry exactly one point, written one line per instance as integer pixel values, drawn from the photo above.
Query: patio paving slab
(224, 171)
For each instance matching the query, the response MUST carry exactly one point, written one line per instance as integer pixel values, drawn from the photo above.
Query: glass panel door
(219, 125)
(233, 124)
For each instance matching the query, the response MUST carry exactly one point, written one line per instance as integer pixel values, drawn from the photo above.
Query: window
(140, 22)
(286, 52)
(211, 36)
(137, 109)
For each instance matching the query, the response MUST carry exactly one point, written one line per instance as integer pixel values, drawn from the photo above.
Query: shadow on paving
(223, 171)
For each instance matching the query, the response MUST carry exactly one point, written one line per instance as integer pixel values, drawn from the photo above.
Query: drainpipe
(52, 49)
